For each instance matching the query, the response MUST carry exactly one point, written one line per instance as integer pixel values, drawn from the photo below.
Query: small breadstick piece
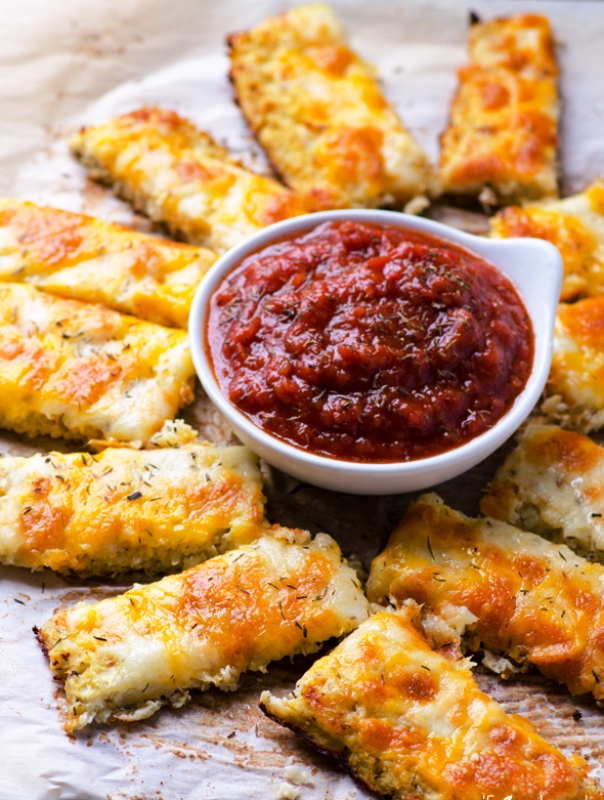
(319, 113)
(575, 386)
(503, 133)
(125, 657)
(179, 176)
(83, 371)
(575, 225)
(76, 256)
(414, 725)
(552, 483)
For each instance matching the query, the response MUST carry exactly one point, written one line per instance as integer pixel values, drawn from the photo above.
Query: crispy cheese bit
(575, 225)
(84, 258)
(514, 592)
(319, 113)
(122, 658)
(83, 371)
(125, 509)
(553, 484)
(503, 132)
(180, 176)
(413, 724)
(575, 386)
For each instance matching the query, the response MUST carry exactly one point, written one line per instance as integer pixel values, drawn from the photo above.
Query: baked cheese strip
(515, 593)
(502, 133)
(83, 371)
(319, 113)
(123, 658)
(575, 225)
(414, 725)
(575, 386)
(553, 484)
(181, 177)
(73, 255)
(126, 509)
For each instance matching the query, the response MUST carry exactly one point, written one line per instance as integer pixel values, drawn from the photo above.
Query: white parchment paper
(69, 62)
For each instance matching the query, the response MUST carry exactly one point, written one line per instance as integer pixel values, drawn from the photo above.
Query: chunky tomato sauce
(369, 343)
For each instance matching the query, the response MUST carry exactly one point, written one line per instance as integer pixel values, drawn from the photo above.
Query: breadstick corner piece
(552, 484)
(502, 138)
(575, 225)
(179, 176)
(318, 111)
(414, 725)
(575, 385)
(125, 657)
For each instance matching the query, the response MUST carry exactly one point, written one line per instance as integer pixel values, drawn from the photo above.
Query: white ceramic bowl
(533, 266)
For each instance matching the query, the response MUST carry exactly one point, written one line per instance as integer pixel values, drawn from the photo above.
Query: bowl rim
(489, 440)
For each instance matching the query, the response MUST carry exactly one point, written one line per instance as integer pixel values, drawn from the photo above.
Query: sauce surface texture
(369, 343)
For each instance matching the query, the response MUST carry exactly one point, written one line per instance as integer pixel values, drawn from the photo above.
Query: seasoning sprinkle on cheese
(125, 657)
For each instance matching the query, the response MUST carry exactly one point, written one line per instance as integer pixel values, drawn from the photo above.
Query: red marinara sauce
(369, 343)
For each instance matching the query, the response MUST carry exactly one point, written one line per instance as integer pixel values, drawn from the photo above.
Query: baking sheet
(72, 62)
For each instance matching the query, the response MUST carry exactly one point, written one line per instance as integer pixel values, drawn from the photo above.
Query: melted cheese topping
(318, 111)
(575, 225)
(179, 176)
(76, 256)
(577, 372)
(504, 117)
(533, 600)
(124, 657)
(126, 509)
(78, 370)
(411, 723)
(552, 483)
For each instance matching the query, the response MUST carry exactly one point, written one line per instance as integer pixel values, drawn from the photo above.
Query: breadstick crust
(512, 592)
(154, 510)
(503, 129)
(84, 258)
(319, 113)
(83, 371)
(125, 657)
(179, 176)
(414, 725)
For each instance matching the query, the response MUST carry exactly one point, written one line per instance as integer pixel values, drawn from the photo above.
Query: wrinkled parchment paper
(71, 62)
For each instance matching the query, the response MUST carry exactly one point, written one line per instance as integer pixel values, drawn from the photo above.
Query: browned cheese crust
(513, 593)
(414, 725)
(319, 113)
(503, 132)
(179, 176)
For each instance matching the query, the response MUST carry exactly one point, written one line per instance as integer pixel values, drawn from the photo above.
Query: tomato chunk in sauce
(369, 343)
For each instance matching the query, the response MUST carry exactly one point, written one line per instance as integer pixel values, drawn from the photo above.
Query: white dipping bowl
(533, 266)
